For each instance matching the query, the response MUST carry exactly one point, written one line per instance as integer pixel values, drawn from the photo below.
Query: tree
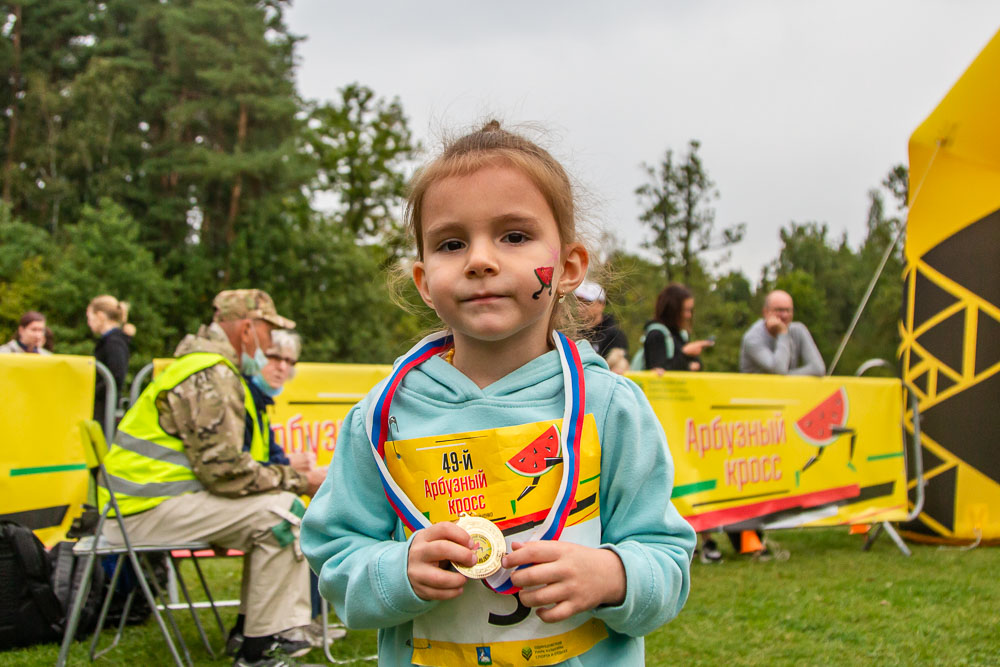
(23, 270)
(44, 46)
(677, 199)
(660, 199)
(361, 146)
(102, 255)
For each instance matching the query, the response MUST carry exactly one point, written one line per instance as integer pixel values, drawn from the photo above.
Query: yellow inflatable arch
(950, 328)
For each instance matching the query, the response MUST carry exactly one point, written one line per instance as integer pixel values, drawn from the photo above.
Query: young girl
(503, 419)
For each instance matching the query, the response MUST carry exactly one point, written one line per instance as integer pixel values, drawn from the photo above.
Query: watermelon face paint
(544, 275)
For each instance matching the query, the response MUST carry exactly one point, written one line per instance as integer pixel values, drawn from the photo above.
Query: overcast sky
(801, 107)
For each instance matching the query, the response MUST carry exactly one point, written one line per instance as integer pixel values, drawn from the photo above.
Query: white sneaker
(313, 633)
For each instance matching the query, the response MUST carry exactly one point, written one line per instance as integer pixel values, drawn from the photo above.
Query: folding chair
(95, 448)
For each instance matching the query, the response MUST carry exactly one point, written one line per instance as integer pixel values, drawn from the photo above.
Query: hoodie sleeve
(347, 535)
(639, 522)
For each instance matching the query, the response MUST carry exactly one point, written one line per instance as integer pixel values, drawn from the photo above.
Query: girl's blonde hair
(493, 145)
(115, 310)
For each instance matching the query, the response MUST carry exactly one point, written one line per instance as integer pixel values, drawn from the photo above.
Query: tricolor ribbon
(377, 426)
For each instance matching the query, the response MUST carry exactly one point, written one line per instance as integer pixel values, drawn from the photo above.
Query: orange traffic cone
(859, 528)
(749, 542)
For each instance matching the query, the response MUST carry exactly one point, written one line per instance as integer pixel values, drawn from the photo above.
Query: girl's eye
(516, 237)
(451, 246)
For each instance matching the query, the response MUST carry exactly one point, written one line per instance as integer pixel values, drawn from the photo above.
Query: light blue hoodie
(355, 542)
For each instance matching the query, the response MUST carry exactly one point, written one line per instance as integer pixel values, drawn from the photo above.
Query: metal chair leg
(120, 630)
(194, 612)
(144, 585)
(166, 608)
(104, 614)
(208, 594)
(74, 616)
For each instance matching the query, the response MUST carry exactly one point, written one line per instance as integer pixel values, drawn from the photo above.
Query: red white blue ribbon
(377, 426)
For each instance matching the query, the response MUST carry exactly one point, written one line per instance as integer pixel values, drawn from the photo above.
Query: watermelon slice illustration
(538, 455)
(824, 423)
(544, 275)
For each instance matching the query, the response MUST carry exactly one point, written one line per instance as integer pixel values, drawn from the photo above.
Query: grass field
(829, 603)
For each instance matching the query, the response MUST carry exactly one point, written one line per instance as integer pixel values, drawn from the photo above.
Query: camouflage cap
(241, 304)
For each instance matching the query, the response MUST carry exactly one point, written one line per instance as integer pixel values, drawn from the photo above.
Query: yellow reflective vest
(146, 465)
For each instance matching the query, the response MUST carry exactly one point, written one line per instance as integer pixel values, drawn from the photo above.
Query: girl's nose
(482, 260)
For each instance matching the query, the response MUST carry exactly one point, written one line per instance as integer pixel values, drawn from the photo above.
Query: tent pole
(864, 301)
(885, 258)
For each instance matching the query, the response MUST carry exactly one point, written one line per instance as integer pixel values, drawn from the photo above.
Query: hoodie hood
(210, 338)
(435, 398)
(540, 378)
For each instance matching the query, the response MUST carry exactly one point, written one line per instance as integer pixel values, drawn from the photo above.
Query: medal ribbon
(377, 426)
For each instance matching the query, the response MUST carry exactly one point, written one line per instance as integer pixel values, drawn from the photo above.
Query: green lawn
(830, 603)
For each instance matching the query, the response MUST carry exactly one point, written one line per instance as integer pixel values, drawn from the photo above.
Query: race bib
(510, 476)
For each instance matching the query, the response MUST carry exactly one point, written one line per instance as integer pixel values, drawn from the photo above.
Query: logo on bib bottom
(526, 652)
(483, 655)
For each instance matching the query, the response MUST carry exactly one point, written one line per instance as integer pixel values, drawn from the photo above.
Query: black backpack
(30, 612)
(36, 588)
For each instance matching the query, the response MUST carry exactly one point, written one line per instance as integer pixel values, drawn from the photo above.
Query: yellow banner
(747, 449)
(764, 450)
(308, 414)
(43, 473)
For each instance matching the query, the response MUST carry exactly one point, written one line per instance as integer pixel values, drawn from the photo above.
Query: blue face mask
(259, 382)
(252, 366)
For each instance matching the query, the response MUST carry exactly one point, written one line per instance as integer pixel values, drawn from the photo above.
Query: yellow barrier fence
(764, 450)
(748, 450)
(43, 473)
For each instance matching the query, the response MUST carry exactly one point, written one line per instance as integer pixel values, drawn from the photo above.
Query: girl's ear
(576, 260)
(420, 280)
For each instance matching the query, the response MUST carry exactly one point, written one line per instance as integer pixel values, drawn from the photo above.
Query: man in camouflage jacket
(242, 504)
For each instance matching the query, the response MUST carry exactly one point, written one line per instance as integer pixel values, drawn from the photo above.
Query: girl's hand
(565, 578)
(430, 552)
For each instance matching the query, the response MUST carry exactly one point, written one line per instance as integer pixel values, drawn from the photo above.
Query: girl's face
(687, 313)
(32, 335)
(492, 264)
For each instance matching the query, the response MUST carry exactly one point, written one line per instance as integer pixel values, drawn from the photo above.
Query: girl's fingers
(440, 550)
(431, 576)
(545, 595)
(437, 593)
(448, 531)
(560, 612)
(541, 574)
(532, 552)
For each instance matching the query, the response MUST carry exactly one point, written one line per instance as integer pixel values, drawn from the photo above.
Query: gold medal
(490, 546)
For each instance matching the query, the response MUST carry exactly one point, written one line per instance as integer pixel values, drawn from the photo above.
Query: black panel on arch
(940, 491)
(945, 340)
(987, 342)
(966, 425)
(929, 300)
(970, 257)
